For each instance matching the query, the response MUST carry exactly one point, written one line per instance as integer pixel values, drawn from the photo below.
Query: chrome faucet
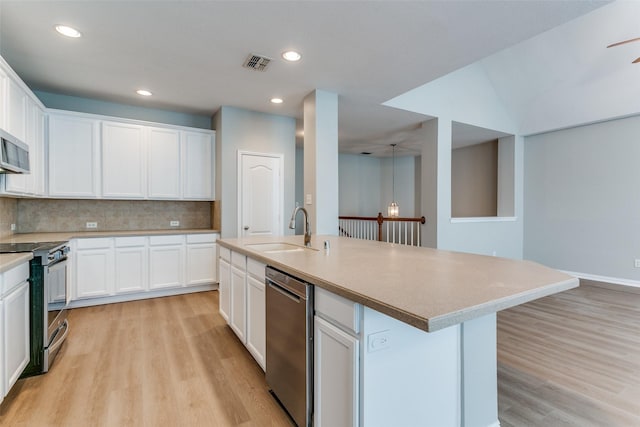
(307, 227)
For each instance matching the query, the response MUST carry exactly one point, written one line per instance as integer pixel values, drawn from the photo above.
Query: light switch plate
(308, 199)
(174, 224)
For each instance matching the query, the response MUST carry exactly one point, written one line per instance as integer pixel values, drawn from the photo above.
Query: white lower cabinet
(201, 259)
(242, 300)
(166, 265)
(224, 288)
(256, 309)
(93, 268)
(14, 326)
(131, 264)
(238, 302)
(128, 267)
(16, 333)
(336, 361)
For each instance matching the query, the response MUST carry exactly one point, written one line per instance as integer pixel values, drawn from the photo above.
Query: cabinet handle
(246, 227)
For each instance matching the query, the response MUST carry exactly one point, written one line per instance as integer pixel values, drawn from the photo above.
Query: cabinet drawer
(239, 260)
(224, 253)
(94, 243)
(256, 269)
(12, 278)
(166, 240)
(202, 238)
(123, 242)
(340, 310)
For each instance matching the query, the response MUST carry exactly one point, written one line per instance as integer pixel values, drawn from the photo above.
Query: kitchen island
(424, 348)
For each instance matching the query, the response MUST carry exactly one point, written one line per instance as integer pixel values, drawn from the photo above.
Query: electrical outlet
(92, 225)
(637, 263)
(308, 199)
(174, 224)
(13, 227)
(379, 341)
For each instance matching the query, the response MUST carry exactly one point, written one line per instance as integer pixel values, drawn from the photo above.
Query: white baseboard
(140, 295)
(605, 279)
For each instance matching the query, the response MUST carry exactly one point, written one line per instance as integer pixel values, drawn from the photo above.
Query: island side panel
(479, 372)
(408, 376)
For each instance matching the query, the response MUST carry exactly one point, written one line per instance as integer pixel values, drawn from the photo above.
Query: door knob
(246, 227)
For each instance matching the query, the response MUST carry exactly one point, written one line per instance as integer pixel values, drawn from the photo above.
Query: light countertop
(8, 261)
(426, 288)
(68, 235)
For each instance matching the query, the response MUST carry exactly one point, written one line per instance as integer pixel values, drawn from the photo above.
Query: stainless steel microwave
(14, 154)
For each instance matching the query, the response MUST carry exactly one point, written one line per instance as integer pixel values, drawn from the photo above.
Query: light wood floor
(571, 359)
(160, 362)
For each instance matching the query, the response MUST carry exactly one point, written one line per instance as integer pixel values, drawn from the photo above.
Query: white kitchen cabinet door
(94, 273)
(131, 269)
(224, 289)
(16, 124)
(73, 156)
(336, 376)
(16, 334)
(16, 113)
(201, 263)
(124, 173)
(166, 267)
(164, 159)
(239, 303)
(198, 165)
(33, 182)
(256, 321)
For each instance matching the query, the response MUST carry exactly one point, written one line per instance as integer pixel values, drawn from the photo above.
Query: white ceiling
(189, 54)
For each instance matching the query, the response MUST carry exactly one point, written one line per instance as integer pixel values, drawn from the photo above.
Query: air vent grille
(256, 62)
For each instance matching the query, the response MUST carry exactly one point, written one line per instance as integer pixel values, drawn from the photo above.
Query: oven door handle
(59, 340)
(57, 266)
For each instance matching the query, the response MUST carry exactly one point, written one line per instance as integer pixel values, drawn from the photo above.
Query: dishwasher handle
(289, 283)
(284, 292)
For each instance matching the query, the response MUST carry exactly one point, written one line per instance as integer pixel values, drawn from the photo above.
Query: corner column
(321, 161)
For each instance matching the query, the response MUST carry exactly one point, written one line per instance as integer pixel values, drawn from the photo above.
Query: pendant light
(394, 210)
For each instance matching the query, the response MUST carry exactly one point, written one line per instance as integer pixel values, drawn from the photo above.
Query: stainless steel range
(48, 298)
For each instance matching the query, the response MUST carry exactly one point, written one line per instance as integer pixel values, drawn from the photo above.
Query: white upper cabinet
(16, 110)
(164, 164)
(198, 165)
(124, 173)
(129, 159)
(21, 114)
(73, 156)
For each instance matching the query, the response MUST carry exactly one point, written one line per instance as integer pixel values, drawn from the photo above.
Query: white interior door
(260, 200)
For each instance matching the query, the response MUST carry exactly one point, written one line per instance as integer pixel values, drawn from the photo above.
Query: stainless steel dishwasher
(290, 344)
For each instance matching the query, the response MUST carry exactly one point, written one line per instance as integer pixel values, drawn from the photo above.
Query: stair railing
(404, 231)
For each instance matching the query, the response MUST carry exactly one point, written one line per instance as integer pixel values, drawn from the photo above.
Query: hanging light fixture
(394, 210)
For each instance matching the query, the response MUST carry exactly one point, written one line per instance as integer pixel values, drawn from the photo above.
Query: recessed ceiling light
(276, 100)
(68, 31)
(291, 56)
(143, 92)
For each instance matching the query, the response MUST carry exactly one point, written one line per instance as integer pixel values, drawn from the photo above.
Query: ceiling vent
(256, 62)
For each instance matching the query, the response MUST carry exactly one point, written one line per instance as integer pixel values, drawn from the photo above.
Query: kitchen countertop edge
(8, 261)
(426, 324)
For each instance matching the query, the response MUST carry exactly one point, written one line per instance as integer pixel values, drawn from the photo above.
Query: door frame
(280, 158)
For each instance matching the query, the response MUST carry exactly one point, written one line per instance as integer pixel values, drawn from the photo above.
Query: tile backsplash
(8, 215)
(52, 215)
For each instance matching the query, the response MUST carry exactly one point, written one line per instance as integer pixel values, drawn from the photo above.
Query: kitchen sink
(277, 247)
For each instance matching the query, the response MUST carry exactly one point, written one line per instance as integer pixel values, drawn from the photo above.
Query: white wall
(366, 185)
(582, 202)
(239, 129)
(464, 96)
